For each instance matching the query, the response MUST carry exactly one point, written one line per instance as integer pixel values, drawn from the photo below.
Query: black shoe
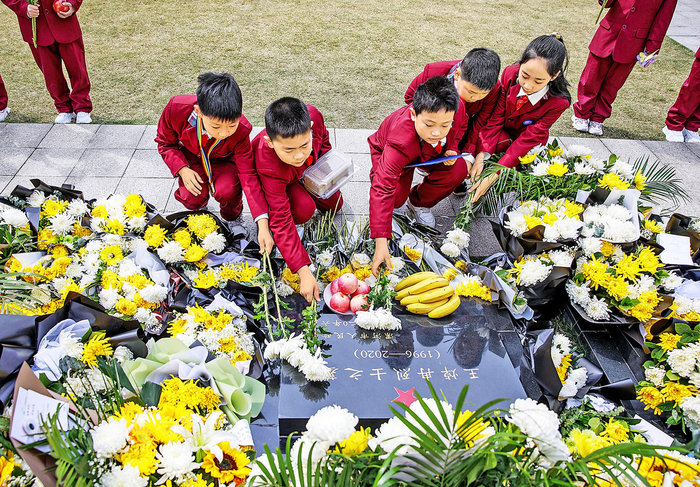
(460, 190)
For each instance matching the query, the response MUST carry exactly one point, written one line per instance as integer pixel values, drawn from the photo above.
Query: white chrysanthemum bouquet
(119, 214)
(560, 219)
(189, 242)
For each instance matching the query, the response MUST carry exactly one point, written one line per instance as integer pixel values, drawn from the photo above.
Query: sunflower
(233, 466)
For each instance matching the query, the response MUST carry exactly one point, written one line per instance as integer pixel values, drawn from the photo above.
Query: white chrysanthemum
(96, 224)
(115, 206)
(128, 268)
(109, 298)
(682, 361)
(325, 259)
(13, 217)
(459, 237)
(110, 437)
(583, 168)
(77, 207)
(598, 164)
(431, 407)
(114, 239)
(310, 448)
(450, 250)
(655, 375)
(37, 198)
(618, 212)
(561, 346)
(671, 282)
(516, 223)
(74, 270)
(534, 271)
(691, 409)
(541, 425)
(284, 289)
(578, 294)
(359, 260)
(315, 369)
(377, 319)
(332, 424)
(137, 223)
(568, 228)
(154, 293)
(561, 258)
(397, 265)
(171, 252)
(393, 435)
(597, 309)
(71, 343)
(273, 349)
(694, 225)
(126, 476)
(591, 246)
(122, 354)
(575, 380)
(540, 169)
(299, 357)
(136, 244)
(176, 461)
(291, 345)
(40, 294)
(61, 224)
(214, 242)
(576, 150)
(623, 169)
(146, 316)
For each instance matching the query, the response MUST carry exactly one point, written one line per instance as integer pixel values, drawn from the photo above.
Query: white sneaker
(4, 113)
(688, 135)
(237, 228)
(423, 215)
(673, 135)
(83, 117)
(64, 118)
(595, 128)
(580, 124)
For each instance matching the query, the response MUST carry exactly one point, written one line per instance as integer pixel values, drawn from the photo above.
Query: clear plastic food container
(331, 171)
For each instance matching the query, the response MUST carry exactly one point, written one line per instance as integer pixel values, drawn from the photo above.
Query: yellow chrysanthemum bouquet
(119, 214)
(189, 241)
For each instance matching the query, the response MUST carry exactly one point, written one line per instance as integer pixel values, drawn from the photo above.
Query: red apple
(59, 6)
(359, 303)
(340, 302)
(348, 283)
(362, 288)
(335, 286)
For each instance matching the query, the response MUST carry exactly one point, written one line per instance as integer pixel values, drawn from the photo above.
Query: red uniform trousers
(685, 113)
(3, 95)
(440, 182)
(303, 204)
(600, 81)
(228, 190)
(77, 98)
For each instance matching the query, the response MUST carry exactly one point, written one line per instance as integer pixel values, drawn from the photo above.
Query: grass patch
(351, 58)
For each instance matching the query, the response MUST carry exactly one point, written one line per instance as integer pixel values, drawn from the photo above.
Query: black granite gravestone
(372, 369)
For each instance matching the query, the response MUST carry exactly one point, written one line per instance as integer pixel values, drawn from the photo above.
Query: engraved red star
(405, 397)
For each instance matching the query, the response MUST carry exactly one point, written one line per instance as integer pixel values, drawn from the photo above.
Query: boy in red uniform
(533, 96)
(59, 41)
(476, 80)
(415, 133)
(295, 136)
(629, 27)
(204, 140)
(683, 119)
(4, 109)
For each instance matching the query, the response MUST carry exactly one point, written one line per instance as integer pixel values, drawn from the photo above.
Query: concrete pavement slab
(147, 164)
(26, 182)
(597, 147)
(69, 136)
(363, 164)
(626, 149)
(117, 137)
(356, 198)
(672, 152)
(11, 159)
(102, 162)
(352, 140)
(23, 134)
(148, 138)
(94, 187)
(3, 184)
(50, 162)
(155, 191)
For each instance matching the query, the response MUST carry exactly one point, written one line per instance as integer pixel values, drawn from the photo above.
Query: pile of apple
(349, 293)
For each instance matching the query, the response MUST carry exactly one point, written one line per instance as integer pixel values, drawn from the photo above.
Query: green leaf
(682, 328)
(150, 393)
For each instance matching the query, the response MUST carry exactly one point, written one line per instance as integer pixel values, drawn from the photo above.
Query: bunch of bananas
(427, 293)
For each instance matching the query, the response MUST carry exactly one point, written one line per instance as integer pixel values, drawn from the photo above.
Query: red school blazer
(394, 145)
(477, 113)
(527, 127)
(631, 26)
(275, 176)
(50, 27)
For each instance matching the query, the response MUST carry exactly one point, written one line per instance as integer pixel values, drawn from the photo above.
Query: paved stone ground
(684, 26)
(105, 159)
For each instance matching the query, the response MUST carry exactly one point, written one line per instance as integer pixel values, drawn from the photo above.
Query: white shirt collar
(443, 142)
(536, 96)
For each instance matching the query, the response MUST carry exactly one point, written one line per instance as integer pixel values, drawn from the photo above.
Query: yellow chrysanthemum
(472, 288)
(640, 181)
(240, 356)
(473, 432)
(111, 255)
(126, 307)
(532, 221)
(13, 265)
(557, 169)
(363, 273)
(563, 369)
(331, 274)
(154, 236)
(110, 280)
(187, 393)
(142, 303)
(141, 455)
(595, 271)
(53, 207)
(139, 281)
(356, 443)
(129, 411)
(613, 181)
(572, 209)
(412, 254)
(550, 218)
(525, 160)
(585, 442)
(461, 265)
(59, 251)
(616, 431)
(100, 212)
(206, 280)
(628, 268)
(60, 265)
(183, 237)
(97, 346)
(653, 226)
(238, 272)
(176, 327)
(7, 465)
(651, 397)
(197, 482)
(72, 287)
(232, 468)
(607, 248)
(648, 261)
(555, 152)
(291, 279)
(80, 231)
(201, 225)
(134, 206)
(195, 253)
(677, 392)
(45, 238)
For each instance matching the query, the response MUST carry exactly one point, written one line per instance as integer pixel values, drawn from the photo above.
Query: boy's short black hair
(287, 117)
(481, 68)
(219, 97)
(435, 95)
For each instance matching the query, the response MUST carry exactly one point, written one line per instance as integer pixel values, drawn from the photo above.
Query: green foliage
(382, 295)
(16, 292)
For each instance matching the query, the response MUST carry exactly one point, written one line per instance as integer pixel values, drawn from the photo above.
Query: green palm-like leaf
(662, 182)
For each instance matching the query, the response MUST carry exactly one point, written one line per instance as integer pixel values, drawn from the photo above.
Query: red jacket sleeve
(282, 223)
(660, 26)
(534, 134)
(17, 6)
(250, 181)
(321, 131)
(76, 4)
(387, 173)
(417, 81)
(478, 122)
(488, 135)
(461, 126)
(167, 138)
